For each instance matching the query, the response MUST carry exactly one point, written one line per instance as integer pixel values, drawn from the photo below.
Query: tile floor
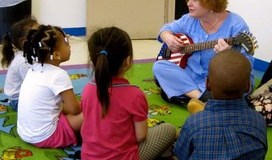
(143, 49)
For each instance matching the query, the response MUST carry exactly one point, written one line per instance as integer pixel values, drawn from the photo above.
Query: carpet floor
(12, 147)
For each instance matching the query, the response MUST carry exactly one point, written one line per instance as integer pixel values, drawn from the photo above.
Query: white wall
(63, 13)
(258, 15)
(142, 19)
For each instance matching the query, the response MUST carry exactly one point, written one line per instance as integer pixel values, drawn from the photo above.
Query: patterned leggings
(158, 139)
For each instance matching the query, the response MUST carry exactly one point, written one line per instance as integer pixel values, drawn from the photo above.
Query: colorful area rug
(13, 148)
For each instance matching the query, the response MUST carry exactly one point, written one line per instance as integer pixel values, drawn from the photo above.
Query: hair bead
(40, 44)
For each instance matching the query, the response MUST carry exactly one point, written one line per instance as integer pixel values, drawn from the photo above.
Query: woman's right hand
(173, 42)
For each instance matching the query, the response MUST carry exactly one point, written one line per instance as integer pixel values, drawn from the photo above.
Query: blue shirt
(226, 129)
(193, 77)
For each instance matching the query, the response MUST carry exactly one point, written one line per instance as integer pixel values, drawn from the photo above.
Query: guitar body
(178, 58)
(244, 40)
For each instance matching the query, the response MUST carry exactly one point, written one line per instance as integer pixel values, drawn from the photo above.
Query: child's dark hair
(108, 48)
(15, 39)
(41, 43)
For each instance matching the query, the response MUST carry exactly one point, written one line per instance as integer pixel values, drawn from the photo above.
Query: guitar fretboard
(204, 45)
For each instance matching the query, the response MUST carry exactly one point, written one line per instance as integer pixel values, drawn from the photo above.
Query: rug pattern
(13, 148)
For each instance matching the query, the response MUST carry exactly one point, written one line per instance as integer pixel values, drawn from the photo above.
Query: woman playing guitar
(207, 20)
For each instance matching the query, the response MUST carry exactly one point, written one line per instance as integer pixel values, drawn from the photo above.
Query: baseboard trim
(260, 65)
(80, 31)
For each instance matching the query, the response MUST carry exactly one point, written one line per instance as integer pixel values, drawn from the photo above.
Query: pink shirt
(114, 136)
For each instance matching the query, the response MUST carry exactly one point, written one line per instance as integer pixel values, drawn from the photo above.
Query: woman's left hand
(221, 46)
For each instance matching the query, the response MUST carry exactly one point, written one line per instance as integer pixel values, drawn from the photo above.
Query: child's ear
(56, 55)
(128, 61)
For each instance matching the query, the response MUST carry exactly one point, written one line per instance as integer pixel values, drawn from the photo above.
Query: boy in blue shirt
(227, 128)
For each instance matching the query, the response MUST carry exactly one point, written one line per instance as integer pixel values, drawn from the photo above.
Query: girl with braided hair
(12, 58)
(49, 113)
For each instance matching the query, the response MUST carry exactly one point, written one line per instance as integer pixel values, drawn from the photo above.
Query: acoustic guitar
(244, 39)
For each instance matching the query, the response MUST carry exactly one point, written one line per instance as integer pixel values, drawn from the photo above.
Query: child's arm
(70, 102)
(141, 130)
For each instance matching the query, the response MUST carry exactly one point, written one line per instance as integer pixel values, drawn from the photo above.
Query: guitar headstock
(247, 41)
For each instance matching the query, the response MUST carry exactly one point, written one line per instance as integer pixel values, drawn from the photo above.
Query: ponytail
(103, 81)
(14, 40)
(7, 51)
(108, 49)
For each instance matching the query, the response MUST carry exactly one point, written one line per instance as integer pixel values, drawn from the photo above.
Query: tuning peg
(257, 46)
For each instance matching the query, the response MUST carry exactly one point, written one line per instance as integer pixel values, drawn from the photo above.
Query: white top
(15, 75)
(39, 102)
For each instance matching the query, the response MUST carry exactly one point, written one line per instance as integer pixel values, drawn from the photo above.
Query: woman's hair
(108, 48)
(215, 5)
(41, 43)
(15, 39)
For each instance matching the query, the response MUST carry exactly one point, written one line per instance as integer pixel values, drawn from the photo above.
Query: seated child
(227, 128)
(13, 58)
(115, 112)
(49, 113)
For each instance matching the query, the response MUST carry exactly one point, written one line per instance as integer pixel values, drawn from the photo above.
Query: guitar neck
(204, 45)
